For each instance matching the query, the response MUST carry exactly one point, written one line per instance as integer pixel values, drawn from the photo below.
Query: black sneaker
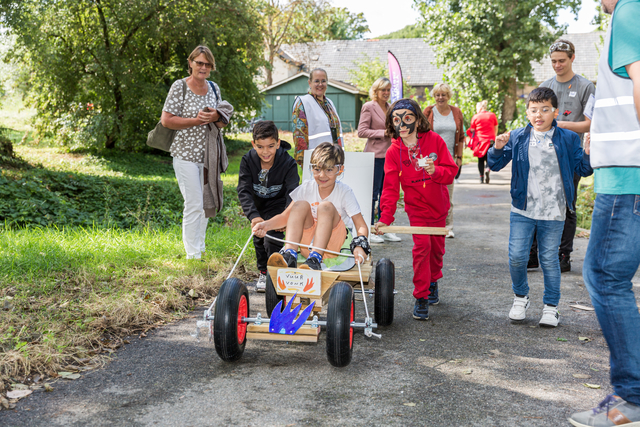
(313, 263)
(486, 175)
(565, 263)
(433, 293)
(421, 309)
(291, 261)
(533, 260)
(481, 179)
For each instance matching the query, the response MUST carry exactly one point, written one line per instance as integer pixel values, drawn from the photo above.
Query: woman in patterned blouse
(315, 118)
(189, 110)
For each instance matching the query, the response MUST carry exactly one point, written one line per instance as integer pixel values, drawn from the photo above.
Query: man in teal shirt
(613, 255)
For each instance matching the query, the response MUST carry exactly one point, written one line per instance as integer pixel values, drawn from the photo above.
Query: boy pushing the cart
(267, 175)
(321, 211)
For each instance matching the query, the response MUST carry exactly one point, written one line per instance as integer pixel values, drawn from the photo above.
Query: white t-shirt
(342, 197)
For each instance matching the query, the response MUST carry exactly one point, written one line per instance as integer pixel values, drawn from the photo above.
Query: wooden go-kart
(309, 292)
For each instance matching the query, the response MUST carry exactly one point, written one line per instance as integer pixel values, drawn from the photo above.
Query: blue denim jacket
(571, 158)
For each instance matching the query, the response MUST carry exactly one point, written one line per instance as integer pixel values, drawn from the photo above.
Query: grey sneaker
(612, 411)
(261, 284)
(519, 309)
(313, 263)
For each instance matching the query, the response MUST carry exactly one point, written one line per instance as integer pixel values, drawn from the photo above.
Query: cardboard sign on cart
(298, 281)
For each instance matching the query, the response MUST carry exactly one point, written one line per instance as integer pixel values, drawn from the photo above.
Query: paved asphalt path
(466, 366)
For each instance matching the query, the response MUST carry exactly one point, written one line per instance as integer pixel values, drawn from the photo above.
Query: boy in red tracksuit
(419, 160)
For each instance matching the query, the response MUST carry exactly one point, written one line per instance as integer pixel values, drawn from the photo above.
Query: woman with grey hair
(372, 127)
(189, 108)
(448, 122)
(315, 118)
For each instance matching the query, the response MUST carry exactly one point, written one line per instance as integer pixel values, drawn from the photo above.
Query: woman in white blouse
(448, 122)
(189, 115)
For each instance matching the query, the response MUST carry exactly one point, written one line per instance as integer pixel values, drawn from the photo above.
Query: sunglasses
(202, 64)
(560, 46)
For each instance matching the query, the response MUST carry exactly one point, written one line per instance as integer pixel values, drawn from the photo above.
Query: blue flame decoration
(282, 322)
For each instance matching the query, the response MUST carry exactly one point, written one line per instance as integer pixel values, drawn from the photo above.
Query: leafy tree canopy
(414, 31)
(487, 46)
(98, 70)
(367, 70)
(303, 21)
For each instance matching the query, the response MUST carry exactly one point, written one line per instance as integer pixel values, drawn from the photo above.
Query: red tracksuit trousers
(427, 257)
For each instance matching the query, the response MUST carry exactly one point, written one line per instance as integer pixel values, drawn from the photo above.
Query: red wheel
(229, 330)
(243, 311)
(352, 318)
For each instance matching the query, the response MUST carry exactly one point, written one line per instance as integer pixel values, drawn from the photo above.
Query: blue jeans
(378, 182)
(521, 234)
(611, 261)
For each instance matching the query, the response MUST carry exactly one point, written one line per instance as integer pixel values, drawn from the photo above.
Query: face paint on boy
(400, 120)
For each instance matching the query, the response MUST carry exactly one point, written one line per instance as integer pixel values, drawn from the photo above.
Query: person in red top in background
(419, 160)
(484, 125)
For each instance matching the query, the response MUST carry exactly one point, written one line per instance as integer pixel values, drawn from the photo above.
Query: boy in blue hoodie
(545, 158)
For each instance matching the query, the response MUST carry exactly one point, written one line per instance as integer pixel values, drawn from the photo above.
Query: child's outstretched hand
(587, 144)
(375, 228)
(359, 254)
(502, 140)
(260, 229)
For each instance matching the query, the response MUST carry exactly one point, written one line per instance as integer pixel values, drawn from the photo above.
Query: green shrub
(584, 205)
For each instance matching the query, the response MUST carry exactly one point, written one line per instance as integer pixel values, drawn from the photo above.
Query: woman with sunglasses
(189, 108)
(315, 118)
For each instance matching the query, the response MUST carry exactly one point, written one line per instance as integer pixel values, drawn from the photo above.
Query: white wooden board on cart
(358, 174)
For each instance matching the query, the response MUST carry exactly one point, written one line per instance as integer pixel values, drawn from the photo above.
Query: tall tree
(97, 71)
(302, 21)
(487, 46)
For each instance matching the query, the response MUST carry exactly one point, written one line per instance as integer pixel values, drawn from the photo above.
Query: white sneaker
(451, 234)
(550, 316)
(374, 238)
(391, 237)
(456, 181)
(261, 284)
(519, 308)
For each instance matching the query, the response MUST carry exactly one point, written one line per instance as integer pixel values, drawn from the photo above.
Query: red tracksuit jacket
(425, 196)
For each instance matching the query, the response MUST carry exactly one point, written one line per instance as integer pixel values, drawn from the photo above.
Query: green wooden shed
(279, 99)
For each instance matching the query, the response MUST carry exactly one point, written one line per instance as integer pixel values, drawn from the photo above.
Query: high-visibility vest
(615, 128)
(317, 121)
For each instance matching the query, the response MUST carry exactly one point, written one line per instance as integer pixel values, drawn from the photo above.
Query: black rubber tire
(385, 283)
(340, 311)
(271, 297)
(228, 343)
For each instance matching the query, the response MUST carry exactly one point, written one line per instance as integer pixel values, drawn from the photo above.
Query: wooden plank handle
(399, 229)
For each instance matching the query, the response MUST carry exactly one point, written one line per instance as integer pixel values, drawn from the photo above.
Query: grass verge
(70, 295)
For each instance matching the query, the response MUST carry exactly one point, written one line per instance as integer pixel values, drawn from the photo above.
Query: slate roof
(332, 82)
(416, 57)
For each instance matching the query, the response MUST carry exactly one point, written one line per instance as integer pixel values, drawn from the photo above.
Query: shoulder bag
(161, 137)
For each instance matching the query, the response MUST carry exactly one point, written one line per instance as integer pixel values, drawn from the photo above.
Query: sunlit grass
(72, 294)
